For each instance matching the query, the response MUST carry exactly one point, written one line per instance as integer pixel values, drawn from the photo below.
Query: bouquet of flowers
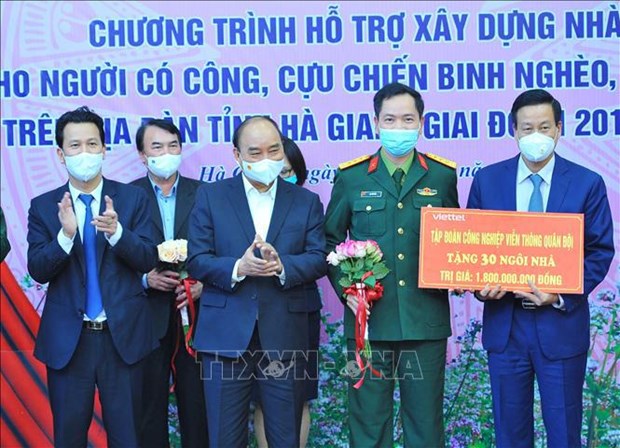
(362, 267)
(172, 257)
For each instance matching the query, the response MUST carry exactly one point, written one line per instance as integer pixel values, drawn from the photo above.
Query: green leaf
(603, 414)
(371, 281)
(380, 271)
(344, 282)
(358, 265)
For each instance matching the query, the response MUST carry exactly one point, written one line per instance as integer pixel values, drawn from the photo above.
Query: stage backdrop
(313, 67)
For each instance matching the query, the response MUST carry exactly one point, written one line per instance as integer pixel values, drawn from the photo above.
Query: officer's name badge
(426, 191)
(371, 194)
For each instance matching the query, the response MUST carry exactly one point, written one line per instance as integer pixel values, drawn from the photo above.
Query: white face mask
(264, 171)
(536, 147)
(165, 165)
(84, 166)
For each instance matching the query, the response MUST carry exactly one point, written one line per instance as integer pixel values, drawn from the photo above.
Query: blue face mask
(292, 179)
(399, 142)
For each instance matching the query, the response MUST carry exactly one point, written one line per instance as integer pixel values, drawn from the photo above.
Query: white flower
(181, 248)
(172, 251)
(333, 258)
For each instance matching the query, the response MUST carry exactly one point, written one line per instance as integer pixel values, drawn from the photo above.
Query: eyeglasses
(286, 172)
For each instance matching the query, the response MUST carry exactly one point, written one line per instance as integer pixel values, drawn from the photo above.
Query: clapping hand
(266, 266)
(66, 216)
(267, 252)
(108, 221)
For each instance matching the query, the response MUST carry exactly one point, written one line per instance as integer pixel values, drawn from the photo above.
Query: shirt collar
(96, 193)
(523, 172)
(391, 166)
(159, 191)
(250, 189)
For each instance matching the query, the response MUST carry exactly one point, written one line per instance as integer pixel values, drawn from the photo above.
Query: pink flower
(347, 248)
(360, 249)
(356, 259)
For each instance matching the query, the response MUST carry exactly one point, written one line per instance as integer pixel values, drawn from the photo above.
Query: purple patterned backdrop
(314, 67)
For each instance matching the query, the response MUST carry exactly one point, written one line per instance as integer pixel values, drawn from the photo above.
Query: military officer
(379, 197)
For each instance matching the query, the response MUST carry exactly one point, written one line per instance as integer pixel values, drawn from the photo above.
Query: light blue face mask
(399, 142)
(292, 179)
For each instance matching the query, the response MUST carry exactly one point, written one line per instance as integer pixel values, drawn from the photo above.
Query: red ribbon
(364, 295)
(191, 312)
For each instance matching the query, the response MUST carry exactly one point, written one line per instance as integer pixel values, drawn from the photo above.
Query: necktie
(94, 304)
(398, 178)
(536, 201)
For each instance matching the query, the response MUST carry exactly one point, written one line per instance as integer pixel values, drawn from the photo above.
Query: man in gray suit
(170, 198)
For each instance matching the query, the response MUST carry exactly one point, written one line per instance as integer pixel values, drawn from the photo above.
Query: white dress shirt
(261, 205)
(261, 208)
(525, 187)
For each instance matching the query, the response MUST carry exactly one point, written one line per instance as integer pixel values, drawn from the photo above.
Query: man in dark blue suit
(256, 242)
(91, 239)
(540, 334)
(171, 198)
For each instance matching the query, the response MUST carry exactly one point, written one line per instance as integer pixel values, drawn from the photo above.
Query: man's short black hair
(80, 115)
(166, 125)
(390, 90)
(534, 97)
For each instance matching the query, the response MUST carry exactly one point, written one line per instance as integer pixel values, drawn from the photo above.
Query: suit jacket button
(400, 205)
(401, 256)
(400, 231)
(401, 283)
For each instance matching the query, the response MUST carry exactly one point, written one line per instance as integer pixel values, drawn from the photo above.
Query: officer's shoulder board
(350, 163)
(441, 160)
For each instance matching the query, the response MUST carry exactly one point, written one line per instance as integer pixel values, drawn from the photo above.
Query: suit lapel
(239, 203)
(78, 248)
(415, 174)
(183, 205)
(559, 185)
(154, 206)
(281, 206)
(383, 178)
(108, 189)
(507, 190)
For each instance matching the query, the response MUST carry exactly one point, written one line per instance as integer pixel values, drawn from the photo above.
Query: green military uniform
(408, 324)
(5, 247)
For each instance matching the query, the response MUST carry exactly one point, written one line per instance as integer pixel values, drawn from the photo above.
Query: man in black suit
(256, 242)
(91, 239)
(171, 198)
